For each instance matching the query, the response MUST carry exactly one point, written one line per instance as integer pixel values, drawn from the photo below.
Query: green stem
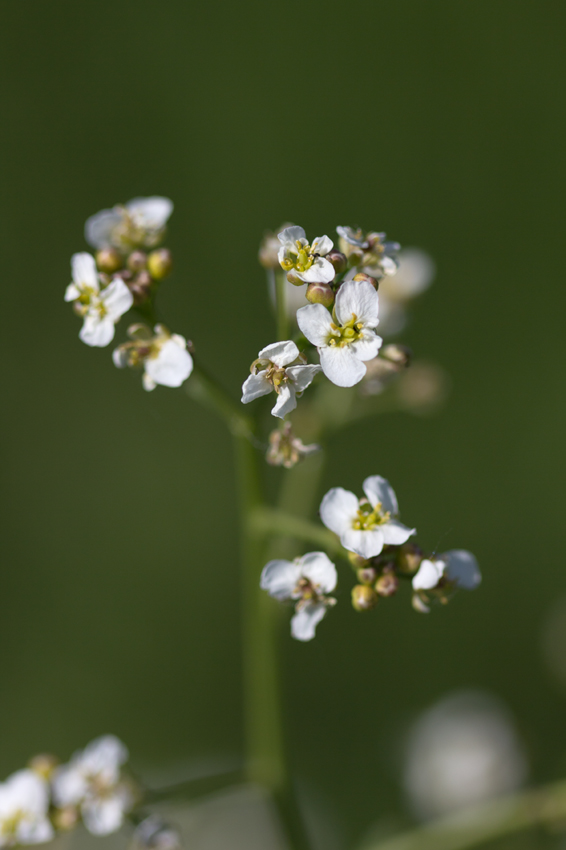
(203, 388)
(281, 305)
(471, 828)
(266, 522)
(197, 786)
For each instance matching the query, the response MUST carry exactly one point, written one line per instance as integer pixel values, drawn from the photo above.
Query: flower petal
(341, 366)
(378, 489)
(360, 298)
(366, 544)
(462, 568)
(395, 533)
(280, 578)
(367, 346)
(72, 292)
(318, 567)
(255, 386)
(305, 621)
(151, 212)
(321, 271)
(291, 234)
(322, 245)
(280, 353)
(105, 752)
(315, 322)
(99, 227)
(171, 367)
(429, 574)
(96, 331)
(84, 271)
(339, 509)
(103, 816)
(36, 831)
(286, 401)
(117, 298)
(303, 376)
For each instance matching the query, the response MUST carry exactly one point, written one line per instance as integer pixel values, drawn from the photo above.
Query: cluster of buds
(379, 549)
(286, 449)
(47, 797)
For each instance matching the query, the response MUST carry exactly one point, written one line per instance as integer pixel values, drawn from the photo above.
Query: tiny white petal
(291, 234)
(72, 292)
(171, 367)
(148, 383)
(286, 401)
(96, 331)
(84, 273)
(340, 365)
(102, 816)
(360, 298)
(339, 509)
(255, 386)
(367, 346)
(303, 376)
(117, 298)
(322, 245)
(318, 568)
(378, 489)
(315, 322)
(321, 271)
(152, 212)
(305, 621)
(280, 579)
(365, 543)
(99, 227)
(462, 568)
(120, 358)
(395, 533)
(429, 574)
(280, 353)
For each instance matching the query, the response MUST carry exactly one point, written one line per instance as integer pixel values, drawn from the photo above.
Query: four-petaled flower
(271, 371)
(365, 526)
(138, 224)
(101, 308)
(307, 580)
(344, 344)
(369, 251)
(306, 261)
(24, 805)
(457, 568)
(163, 355)
(92, 782)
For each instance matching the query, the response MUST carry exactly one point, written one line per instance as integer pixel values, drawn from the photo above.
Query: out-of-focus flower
(307, 262)
(451, 570)
(272, 372)
(138, 224)
(462, 752)
(382, 370)
(343, 346)
(423, 387)
(307, 580)
(153, 833)
(101, 308)
(163, 355)
(365, 526)
(285, 449)
(269, 247)
(415, 273)
(24, 805)
(368, 252)
(92, 782)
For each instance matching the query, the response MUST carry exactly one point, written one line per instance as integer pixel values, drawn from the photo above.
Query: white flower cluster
(377, 546)
(40, 800)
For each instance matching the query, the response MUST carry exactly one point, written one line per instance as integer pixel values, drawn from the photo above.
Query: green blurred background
(440, 122)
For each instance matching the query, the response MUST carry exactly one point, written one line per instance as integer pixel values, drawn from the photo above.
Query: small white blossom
(415, 274)
(272, 372)
(306, 261)
(307, 580)
(365, 526)
(457, 567)
(24, 805)
(368, 252)
(92, 782)
(138, 224)
(101, 308)
(344, 345)
(163, 355)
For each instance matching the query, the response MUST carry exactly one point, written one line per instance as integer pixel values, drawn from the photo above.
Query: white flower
(101, 308)
(138, 224)
(344, 345)
(164, 356)
(308, 580)
(368, 252)
(457, 566)
(24, 804)
(415, 274)
(271, 371)
(365, 526)
(306, 261)
(92, 782)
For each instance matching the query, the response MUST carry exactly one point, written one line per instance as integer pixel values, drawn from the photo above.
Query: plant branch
(265, 522)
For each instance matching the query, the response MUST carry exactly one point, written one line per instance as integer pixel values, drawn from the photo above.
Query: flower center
(368, 518)
(300, 260)
(276, 375)
(345, 334)
(307, 590)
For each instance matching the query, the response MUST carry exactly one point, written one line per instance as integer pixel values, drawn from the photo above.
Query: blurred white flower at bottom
(462, 752)
(24, 803)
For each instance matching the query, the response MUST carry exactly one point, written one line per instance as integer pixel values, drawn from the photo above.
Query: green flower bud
(160, 263)
(108, 260)
(320, 293)
(137, 261)
(140, 287)
(293, 278)
(409, 558)
(338, 260)
(363, 597)
(362, 276)
(387, 584)
(366, 575)
(357, 561)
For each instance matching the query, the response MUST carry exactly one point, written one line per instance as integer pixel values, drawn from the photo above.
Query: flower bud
(399, 354)
(387, 584)
(108, 260)
(137, 261)
(140, 287)
(357, 561)
(366, 575)
(338, 260)
(320, 293)
(293, 278)
(362, 276)
(363, 597)
(160, 263)
(43, 764)
(409, 558)
(419, 604)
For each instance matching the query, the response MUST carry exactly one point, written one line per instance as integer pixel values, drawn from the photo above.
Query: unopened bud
(140, 287)
(357, 561)
(362, 276)
(409, 558)
(137, 261)
(160, 263)
(294, 278)
(43, 764)
(108, 260)
(363, 597)
(366, 575)
(399, 354)
(338, 260)
(387, 584)
(320, 293)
